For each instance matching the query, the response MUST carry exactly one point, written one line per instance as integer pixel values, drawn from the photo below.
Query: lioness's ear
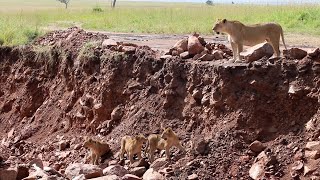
(224, 21)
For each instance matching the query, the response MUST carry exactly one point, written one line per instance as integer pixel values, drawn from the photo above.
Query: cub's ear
(224, 21)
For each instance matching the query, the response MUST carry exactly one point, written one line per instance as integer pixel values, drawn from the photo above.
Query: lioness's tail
(283, 39)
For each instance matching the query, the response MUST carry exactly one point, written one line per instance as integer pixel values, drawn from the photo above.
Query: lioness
(164, 141)
(240, 34)
(97, 149)
(132, 146)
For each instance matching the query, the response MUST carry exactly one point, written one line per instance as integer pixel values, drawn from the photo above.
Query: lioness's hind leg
(276, 49)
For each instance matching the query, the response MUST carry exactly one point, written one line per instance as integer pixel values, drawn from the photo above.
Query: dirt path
(163, 42)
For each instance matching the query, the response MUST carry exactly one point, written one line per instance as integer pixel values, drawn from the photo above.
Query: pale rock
(109, 42)
(89, 170)
(164, 57)
(151, 174)
(138, 171)
(159, 163)
(115, 170)
(109, 177)
(312, 154)
(130, 177)
(257, 52)
(313, 145)
(193, 177)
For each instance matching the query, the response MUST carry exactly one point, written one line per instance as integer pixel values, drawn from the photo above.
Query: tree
(113, 3)
(209, 2)
(66, 2)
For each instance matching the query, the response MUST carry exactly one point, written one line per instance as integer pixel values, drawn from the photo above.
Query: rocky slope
(68, 85)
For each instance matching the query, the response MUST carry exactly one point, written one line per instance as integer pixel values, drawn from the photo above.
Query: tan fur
(240, 35)
(97, 149)
(163, 142)
(132, 146)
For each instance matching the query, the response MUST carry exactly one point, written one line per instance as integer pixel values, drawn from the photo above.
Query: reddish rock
(90, 171)
(295, 53)
(194, 45)
(257, 146)
(181, 46)
(217, 54)
(109, 42)
(159, 163)
(22, 171)
(314, 52)
(8, 174)
(115, 170)
(185, 55)
(138, 171)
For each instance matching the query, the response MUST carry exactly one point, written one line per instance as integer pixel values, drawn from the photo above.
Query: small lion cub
(163, 142)
(97, 149)
(132, 146)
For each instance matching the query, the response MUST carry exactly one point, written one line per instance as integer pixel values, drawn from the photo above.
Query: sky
(244, 1)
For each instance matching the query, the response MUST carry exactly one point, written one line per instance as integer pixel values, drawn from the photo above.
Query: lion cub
(97, 149)
(164, 142)
(132, 146)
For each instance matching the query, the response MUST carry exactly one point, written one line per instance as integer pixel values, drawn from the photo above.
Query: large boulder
(257, 146)
(89, 170)
(115, 170)
(159, 163)
(181, 46)
(151, 174)
(257, 52)
(194, 45)
(8, 174)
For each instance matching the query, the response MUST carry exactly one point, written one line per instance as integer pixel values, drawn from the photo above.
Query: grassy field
(22, 20)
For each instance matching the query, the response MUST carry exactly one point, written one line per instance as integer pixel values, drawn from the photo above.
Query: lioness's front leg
(168, 153)
(234, 51)
(240, 49)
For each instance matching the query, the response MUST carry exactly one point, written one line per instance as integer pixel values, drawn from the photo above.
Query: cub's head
(140, 138)
(167, 133)
(220, 26)
(88, 142)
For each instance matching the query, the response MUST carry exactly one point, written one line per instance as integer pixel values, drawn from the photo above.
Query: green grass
(20, 20)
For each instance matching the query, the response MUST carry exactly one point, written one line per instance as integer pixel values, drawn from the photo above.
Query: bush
(97, 9)
(209, 2)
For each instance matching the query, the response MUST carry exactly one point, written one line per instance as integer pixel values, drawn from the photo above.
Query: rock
(130, 177)
(159, 163)
(37, 162)
(63, 145)
(257, 170)
(295, 53)
(197, 94)
(257, 52)
(164, 57)
(217, 54)
(312, 154)
(297, 166)
(151, 174)
(77, 146)
(185, 55)
(80, 177)
(89, 171)
(207, 57)
(194, 45)
(22, 171)
(313, 145)
(257, 146)
(308, 170)
(202, 41)
(109, 42)
(193, 177)
(141, 163)
(117, 113)
(52, 171)
(295, 89)
(8, 174)
(314, 52)
(128, 49)
(200, 145)
(115, 170)
(138, 171)
(181, 45)
(109, 177)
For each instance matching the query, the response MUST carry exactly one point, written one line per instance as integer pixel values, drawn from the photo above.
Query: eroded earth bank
(257, 119)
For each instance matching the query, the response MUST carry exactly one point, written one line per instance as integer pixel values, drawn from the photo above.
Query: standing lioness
(240, 34)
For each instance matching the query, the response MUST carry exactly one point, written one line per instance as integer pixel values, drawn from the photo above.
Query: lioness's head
(220, 26)
(167, 133)
(88, 142)
(140, 138)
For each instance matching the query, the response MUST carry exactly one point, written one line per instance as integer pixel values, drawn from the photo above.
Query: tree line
(66, 2)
